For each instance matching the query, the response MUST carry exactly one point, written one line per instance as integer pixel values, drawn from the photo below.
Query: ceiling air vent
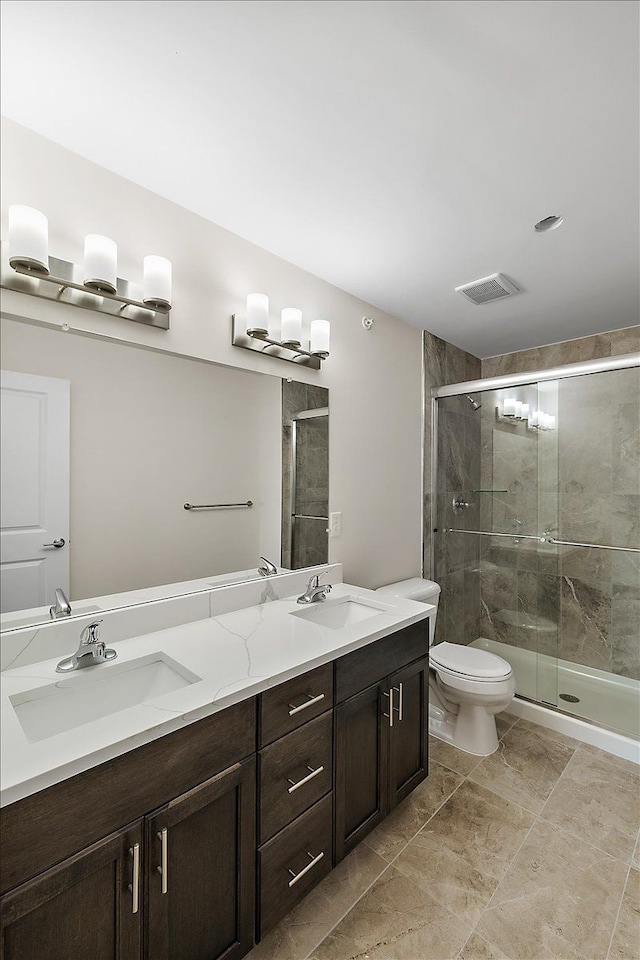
(487, 289)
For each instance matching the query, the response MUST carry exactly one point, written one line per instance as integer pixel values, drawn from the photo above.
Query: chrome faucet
(315, 592)
(90, 651)
(62, 607)
(268, 570)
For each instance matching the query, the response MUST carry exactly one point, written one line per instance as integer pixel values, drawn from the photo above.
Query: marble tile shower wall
(581, 605)
(614, 343)
(311, 544)
(456, 558)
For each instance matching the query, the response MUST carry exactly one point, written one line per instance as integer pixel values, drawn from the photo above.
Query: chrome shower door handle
(60, 542)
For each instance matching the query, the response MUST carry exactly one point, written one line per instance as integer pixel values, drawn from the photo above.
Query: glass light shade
(525, 411)
(509, 407)
(28, 239)
(291, 333)
(258, 314)
(320, 334)
(156, 282)
(100, 263)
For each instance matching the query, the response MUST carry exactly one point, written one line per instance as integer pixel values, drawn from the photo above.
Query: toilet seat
(462, 662)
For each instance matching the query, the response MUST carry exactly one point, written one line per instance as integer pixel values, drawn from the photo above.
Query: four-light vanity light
(256, 331)
(95, 284)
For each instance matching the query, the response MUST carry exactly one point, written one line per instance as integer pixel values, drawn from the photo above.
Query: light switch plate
(335, 524)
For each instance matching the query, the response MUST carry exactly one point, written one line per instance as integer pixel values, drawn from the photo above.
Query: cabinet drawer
(295, 771)
(289, 705)
(293, 862)
(372, 663)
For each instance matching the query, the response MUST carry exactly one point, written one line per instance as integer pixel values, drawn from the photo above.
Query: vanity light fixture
(26, 267)
(253, 332)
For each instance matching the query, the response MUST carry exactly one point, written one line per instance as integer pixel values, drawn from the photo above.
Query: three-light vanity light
(514, 410)
(94, 284)
(255, 331)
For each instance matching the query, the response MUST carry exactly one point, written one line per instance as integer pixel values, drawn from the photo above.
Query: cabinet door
(361, 779)
(201, 870)
(84, 907)
(408, 737)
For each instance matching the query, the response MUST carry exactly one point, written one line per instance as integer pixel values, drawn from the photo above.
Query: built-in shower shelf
(489, 491)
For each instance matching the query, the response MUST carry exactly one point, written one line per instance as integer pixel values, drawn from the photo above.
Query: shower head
(474, 403)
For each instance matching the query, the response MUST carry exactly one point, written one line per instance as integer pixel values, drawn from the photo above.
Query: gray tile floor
(530, 854)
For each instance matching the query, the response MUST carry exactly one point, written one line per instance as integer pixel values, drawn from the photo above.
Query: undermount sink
(97, 692)
(342, 612)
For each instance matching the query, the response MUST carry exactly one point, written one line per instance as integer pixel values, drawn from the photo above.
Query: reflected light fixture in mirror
(27, 267)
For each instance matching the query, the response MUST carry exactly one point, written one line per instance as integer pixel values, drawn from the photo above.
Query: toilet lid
(469, 661)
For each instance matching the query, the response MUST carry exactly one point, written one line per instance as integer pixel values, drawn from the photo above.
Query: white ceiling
(397, 149)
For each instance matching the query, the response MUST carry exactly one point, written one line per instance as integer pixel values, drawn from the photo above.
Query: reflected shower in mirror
(305, 474)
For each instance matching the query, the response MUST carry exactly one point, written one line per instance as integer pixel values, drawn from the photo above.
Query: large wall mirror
(103, 445)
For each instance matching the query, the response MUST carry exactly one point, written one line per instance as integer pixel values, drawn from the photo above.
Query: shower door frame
(313, 414)
(605, 365)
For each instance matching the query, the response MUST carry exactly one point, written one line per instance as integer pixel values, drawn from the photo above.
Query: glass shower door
(497, 492)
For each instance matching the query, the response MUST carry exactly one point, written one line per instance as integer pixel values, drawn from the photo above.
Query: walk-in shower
(536, 519)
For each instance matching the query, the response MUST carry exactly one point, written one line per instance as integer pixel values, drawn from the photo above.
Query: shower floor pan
(606, 699)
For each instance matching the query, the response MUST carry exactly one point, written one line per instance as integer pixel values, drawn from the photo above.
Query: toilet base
(472, 729)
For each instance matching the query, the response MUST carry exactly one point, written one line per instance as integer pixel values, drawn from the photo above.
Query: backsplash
(60, 638)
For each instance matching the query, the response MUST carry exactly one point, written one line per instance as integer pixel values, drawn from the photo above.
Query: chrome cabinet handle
(399, 709)
(389, 715)
(303, 706)
(313, 773)
(309, 866)
(134, 886)
(163, 868)
(56, 543)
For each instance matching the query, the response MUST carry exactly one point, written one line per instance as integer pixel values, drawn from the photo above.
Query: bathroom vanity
(193, 835)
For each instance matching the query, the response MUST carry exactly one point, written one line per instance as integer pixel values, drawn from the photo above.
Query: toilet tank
(424, 591)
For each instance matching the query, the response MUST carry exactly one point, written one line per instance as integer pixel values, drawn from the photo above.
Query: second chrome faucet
(315, 592)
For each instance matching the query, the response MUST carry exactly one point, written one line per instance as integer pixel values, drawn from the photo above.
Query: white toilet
(467, 686)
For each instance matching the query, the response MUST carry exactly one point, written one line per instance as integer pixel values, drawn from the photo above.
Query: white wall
(374, 377)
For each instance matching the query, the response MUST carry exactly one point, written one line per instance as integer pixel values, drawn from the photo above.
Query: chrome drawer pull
(134, 886)
(303, 706)
(299, 876)
(314, 773)
(163, 869)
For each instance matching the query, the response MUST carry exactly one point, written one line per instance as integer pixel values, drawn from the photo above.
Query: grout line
(349, 909)
(387, 865)
(615, 922)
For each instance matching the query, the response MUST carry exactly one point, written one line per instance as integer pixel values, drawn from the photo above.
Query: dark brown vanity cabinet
(381, 732)
(295, 800)
(231, 821)
(178, 882)
(84, 907)
(200, 875)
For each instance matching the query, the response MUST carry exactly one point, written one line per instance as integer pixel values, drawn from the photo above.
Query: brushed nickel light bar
(26, 267)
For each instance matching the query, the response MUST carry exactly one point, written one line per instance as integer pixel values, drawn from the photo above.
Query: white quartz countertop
(228, 658)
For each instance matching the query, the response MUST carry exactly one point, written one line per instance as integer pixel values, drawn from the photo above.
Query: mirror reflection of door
(35, 490)
(305, 472)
